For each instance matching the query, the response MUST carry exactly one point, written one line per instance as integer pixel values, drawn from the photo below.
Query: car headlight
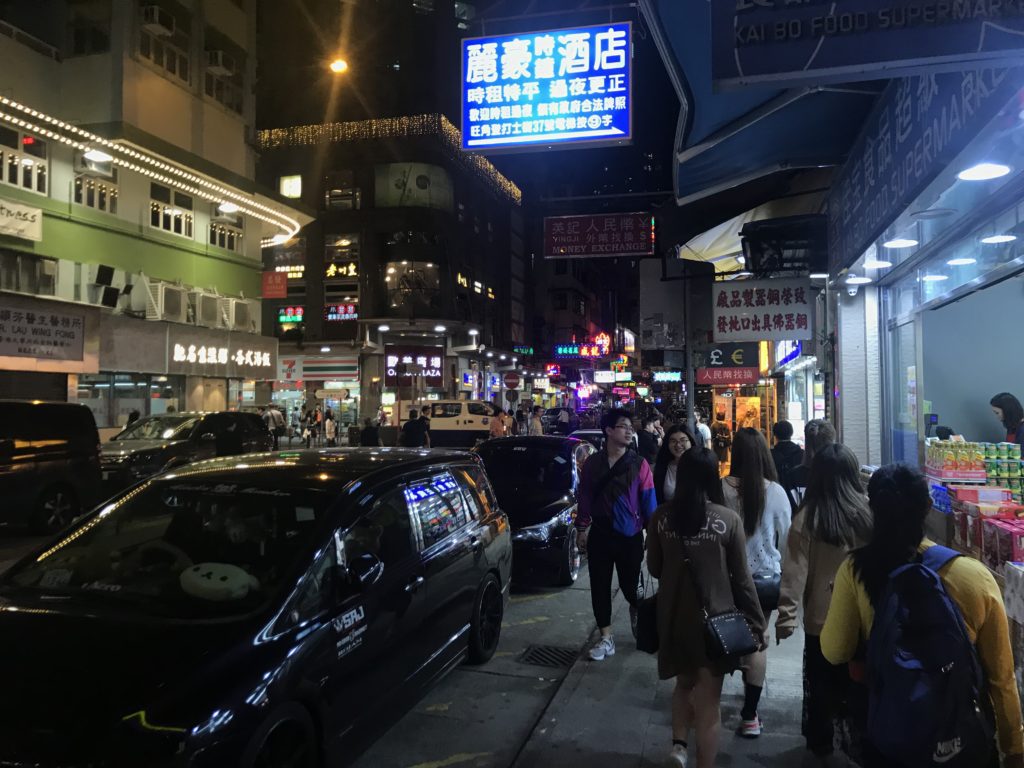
(543, 531)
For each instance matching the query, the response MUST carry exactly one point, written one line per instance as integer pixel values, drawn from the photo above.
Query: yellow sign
(737, 357)
(342, 270)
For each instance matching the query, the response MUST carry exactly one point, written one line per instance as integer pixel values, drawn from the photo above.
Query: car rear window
(445, 410)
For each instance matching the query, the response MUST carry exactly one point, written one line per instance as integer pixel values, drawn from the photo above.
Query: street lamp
(339, 66)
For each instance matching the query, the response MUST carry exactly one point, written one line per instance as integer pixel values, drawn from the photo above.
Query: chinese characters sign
(728, 375)
(290, 315)
(668, 376)
(336, 270)
(45, 335)
(334, 313)
(599, 347)
(429, 359)
(563, 86)
(755, 310)
(616, 234)
(212, 355)
(275, 285)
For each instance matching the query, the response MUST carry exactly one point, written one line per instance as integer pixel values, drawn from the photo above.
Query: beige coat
(808, 573)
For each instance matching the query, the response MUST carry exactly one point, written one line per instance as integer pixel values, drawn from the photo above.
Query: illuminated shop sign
(290, 315)
(403, 363)
(334, 313)
(212, 355)
(541, 382)
(564, 86)
(621, 376)
(523, 350)
(334, 271)
(599, 346)
(604, 377)
(663, 377)
(552, 369)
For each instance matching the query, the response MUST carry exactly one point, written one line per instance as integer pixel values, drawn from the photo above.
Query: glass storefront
(114, 396)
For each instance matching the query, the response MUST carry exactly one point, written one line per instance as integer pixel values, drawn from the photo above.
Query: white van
(456, 423)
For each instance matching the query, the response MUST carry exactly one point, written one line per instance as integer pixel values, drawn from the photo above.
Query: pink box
(979, 493)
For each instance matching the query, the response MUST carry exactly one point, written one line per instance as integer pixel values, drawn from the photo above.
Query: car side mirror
(208, 437)
(365, 570)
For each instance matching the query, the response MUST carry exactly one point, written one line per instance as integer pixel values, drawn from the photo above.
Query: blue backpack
(928, 704)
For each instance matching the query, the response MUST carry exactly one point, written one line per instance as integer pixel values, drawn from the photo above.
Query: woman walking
(835, 519)
(696, 548)
(753, 491)
(678, 440)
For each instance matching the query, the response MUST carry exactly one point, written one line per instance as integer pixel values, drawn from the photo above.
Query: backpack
(928, 704)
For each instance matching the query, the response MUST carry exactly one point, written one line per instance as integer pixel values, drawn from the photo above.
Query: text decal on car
(351, 626)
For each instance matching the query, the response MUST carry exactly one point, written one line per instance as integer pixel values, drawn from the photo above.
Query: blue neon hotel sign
(564, 86)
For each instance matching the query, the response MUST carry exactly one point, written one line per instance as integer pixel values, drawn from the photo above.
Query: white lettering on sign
(219, 356)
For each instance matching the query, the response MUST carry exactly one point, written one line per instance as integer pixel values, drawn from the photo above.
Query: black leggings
(608, 550)
(825, 688)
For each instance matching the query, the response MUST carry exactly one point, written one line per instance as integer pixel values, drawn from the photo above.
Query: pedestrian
(752, 490)
(647, 440)
(511, 424)
(521, 420)
(695, 540)
(616, 501)
(277, 425)
(899, 498)
(370, 433)
(703, 430)
(536, 424)
(721, 439)
(414, 432)
(818, 433)
(1009, 411)
(678, 440)
(786, 454)
(330, 429)
(835, 520)
(563, 421)
(496, 427)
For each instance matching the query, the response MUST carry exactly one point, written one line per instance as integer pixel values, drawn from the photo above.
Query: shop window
(290, 258)
(341, 258)
(23, 161)
(113, 397)
(170, 210)
(27, 273)
(412, 284)
(167, 52)
(97, 193)
(226, 230)
(341, 192)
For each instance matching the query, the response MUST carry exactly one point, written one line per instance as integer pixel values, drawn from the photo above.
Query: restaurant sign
(612, 234)
(755, 310)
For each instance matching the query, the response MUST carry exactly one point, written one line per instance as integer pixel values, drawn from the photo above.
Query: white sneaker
(604, 647)
(677, 757)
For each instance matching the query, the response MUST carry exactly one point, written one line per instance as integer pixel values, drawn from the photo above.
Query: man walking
(414, 431)
(616, 502)
(786, 454)
(648, 440)
(536, 425)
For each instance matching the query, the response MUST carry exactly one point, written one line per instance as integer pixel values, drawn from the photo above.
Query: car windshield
(180, 548)
(527, 472)
(159, 428)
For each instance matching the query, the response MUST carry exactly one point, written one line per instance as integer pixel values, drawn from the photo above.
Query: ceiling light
(877, 264)
(98, 156)
(278, 239)
(391, 270)
(227, 208)
(855, 280)
(27, 161)
(966, 261)
(338, 66)
(997, 239)
(383, 328)
(818, 275)
(345, 243)
(900, 242)
(325, 349)
(983, 172)
(501, 357)
(439, 329)
(934, 278)
(474, 332)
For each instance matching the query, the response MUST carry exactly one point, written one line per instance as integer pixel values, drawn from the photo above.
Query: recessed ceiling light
(325, 349)
(439, 329)
(855, 280)
(877, 264)
(490, 354)
(27, 161)
(966, 261)
(227, 207)
(98, 156)
(345, 243)
(983, 172)
(474, 332)
(900, 242)
(384, 328)
(997, 239)
(818, 275)
(934, 278)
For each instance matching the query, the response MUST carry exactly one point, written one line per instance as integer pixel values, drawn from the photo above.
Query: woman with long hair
(817, 434)
(1009, 411)
(753, 491)
(696, 548)
(678, 440)
(900, 500)
(835, 520)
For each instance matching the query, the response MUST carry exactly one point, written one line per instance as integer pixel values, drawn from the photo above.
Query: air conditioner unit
(86, 167)
(157, 300)
(241, 314)
(220, 63)
(206, 309)
(157, 21)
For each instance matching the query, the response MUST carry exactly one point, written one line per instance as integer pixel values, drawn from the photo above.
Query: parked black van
(49, 463)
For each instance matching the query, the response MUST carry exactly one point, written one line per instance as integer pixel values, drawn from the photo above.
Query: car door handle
(415, 584)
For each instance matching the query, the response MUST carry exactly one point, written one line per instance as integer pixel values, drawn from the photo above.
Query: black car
(260, 612)
(537, 482)
(157, 443)
(49, 463)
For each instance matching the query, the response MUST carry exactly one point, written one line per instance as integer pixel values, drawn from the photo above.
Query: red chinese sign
(763, 310)
(275, 285)
(728, 375)
(613, 234)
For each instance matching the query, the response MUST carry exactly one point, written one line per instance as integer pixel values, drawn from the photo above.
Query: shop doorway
(215, 395)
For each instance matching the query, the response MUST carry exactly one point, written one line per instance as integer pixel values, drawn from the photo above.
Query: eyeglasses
(627, 427)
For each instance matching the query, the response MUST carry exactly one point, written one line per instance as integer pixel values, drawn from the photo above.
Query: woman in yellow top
(900, 500)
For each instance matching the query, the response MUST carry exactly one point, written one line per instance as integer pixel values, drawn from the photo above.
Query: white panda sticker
(217, 582)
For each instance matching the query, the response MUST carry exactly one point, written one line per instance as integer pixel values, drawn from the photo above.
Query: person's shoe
(750, 729)
(677, 757)
(603, 648)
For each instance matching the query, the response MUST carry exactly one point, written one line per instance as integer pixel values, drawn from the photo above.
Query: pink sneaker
(750, 729)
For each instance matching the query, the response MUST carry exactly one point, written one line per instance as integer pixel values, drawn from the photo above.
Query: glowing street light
(339, 66)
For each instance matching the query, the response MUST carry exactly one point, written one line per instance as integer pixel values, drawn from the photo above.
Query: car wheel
(572, 558)
(485, 626)
(57, 506)
(289, 744)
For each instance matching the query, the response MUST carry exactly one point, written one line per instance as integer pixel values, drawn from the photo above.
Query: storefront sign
(662, 377)
(752, 310)
(21, 221)
(220, 353)
(335, 313)
(599, 346)
(552, 369)
(211, 355)
(290, 315)
(469, 379)
(613, 234)
(622, 391)
(782, 41)
(275, 285)
(918, 127)
(541, 382)
(46, 335)
(621, 376)
(337, 271)
(604, 377)
(340, 368)
(563, 86)
(787, 352)
(733, 355)
(728, 375)
(428, 361)
(525, 351)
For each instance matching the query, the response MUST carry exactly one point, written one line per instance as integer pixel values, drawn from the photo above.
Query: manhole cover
(549, 656)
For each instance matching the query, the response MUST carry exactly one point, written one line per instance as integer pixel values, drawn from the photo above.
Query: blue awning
(727, 139)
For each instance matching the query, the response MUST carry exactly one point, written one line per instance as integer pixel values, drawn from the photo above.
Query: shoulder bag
(727, 635)
(646, 630)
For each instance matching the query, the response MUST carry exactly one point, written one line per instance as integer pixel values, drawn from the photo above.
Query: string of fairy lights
(127, 157)
(395, 128)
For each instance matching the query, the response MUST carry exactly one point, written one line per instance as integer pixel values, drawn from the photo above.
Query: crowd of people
(792, 531)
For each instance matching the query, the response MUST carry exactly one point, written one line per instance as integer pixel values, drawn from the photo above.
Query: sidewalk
(617, 714)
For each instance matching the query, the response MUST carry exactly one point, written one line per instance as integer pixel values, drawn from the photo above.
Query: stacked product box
(1013, 598)
(1003, 468)
(971, 507)
(1002, 542)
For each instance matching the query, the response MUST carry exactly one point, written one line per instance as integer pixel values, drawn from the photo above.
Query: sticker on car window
(351, 625)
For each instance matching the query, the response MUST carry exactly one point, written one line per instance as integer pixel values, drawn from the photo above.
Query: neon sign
(334, 313)
(290, 315)
(599, 346)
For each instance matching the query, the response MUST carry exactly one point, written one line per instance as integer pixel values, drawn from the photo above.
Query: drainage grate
(549, 656)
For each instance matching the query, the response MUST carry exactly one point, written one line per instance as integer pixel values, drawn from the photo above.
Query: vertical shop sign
(917, 129)
(756, 310)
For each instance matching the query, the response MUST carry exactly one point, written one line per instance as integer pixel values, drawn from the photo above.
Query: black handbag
(646, 630)
(768, 588)
(727, 635)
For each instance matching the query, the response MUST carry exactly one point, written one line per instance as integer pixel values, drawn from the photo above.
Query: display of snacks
(1002, 541)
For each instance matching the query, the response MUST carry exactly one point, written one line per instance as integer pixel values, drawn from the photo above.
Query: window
(170, 211)
(560, 301)
(341, 192)
(168, 52)
(429, 501)
(414, 285)
(97, 193)
(479, 491)
(226, 230)
(477, 409)
(88, 36)
(445, 410)
(224, 77)
(23, 160)
(385, 532)
(579, 305)
(316, 592)
(290, 186)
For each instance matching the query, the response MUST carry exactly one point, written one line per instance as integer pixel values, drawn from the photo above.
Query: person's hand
(581, 539)
(1013, 761)
(782, 633)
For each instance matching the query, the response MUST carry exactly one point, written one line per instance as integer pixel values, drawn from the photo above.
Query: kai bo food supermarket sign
(563, 86)
(762, 310)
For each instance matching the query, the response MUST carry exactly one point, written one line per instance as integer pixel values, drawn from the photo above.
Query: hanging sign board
(613, 234)
(756, 310)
